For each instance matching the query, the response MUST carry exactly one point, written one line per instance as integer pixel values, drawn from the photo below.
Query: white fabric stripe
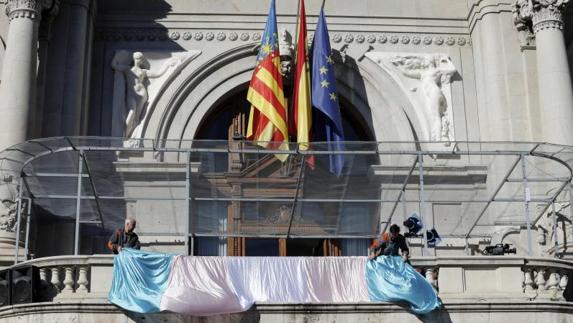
(218, 285)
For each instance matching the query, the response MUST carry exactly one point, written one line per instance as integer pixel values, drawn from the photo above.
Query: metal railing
(423, 158)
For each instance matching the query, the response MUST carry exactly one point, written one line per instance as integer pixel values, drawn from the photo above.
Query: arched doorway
(226, 121)
(229, 116)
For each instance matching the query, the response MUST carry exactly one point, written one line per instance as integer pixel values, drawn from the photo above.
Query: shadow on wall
(438, 316)
(352, 92)
(53, 220)
(568, 292)
(53, 235)
(2, 51)
(568, 33)
(60, 51)
(244, 317)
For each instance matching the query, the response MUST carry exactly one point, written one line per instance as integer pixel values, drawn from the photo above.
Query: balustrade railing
(497, 277)
(546, 279)
(73, 276)
(464, 277)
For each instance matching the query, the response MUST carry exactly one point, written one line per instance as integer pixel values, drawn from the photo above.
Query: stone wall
(484, 312)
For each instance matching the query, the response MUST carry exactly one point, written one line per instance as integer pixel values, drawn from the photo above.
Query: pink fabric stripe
(218, 285)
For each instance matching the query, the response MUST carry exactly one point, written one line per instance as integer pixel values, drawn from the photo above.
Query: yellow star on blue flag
(327, 122)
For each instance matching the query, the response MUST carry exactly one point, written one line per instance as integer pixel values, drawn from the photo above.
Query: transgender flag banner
(147, 282)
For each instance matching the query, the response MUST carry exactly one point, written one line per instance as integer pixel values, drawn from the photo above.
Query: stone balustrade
(471, 288)
(74, 276)
(496, 277)
(546, 279)
(455, 278)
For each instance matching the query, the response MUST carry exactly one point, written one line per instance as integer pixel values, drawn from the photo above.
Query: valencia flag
(267, 118)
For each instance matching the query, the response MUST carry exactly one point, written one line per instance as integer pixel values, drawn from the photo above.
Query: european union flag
(327, 121)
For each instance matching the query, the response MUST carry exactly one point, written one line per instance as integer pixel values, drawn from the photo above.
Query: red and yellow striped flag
(301, 114)
(267, 125)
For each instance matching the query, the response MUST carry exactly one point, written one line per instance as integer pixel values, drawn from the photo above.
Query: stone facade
(440, 70)
(408, 70)
(495, 91)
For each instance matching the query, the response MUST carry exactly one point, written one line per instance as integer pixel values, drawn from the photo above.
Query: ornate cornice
(537, 15)
(31, 9)
(398, 39)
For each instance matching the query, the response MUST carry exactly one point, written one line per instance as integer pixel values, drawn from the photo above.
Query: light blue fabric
(139, 280)
(390, 279)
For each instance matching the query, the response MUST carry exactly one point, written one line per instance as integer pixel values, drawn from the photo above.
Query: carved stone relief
(138, 78)
(426, 78)
(554, 228)
(8, 213)
(535, 15)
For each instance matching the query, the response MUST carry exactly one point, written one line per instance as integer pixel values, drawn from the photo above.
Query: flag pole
(322, 6)
(290, 103)
(296, 28)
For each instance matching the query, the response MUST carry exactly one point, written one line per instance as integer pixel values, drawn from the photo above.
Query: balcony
(207, 198)
(77, 287)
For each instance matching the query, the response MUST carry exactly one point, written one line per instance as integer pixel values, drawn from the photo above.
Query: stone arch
(191, 94)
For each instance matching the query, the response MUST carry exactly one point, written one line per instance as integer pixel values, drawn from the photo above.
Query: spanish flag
(301, 115)
(267, 125)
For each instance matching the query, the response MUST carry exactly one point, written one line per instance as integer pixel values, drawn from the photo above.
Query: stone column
(19, 70)
(17, 98)
(545, 19)
(67, 70)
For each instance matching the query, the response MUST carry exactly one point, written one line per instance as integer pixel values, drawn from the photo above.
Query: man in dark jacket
(124, 237)
(390, 245)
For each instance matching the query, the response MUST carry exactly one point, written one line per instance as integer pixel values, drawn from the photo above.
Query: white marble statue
(136, 78)
(286, 49)
(433, 71)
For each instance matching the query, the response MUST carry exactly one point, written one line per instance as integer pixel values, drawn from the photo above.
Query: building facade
(426, 73)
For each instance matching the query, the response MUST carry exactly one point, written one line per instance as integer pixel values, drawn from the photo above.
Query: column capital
(31, 9)
(537, 15)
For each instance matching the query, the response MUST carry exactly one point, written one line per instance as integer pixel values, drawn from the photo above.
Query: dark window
(261, 247)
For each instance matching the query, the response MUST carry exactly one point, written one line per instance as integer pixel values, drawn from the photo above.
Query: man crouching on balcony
(389, 245)
(124, 237)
